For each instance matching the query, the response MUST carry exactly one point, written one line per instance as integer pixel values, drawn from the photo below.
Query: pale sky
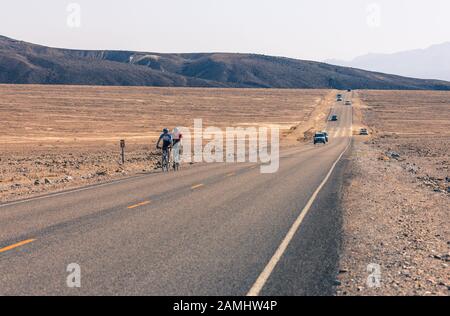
(305, 29)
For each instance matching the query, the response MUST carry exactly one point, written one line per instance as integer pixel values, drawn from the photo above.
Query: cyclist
(177, 136)
(167, 141)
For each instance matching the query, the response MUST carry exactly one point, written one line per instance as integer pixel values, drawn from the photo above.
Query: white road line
(265, 274)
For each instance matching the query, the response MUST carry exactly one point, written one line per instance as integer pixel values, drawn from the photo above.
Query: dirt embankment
(396, 207)
(316, 121)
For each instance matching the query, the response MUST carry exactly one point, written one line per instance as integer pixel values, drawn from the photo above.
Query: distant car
(339, 99)
(348, 103)
(334, 118)
(320, 138)
(363, 131)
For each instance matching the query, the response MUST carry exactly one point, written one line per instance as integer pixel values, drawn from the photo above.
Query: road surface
(213, 229)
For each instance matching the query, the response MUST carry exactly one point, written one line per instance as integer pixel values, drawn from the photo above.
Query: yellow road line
(17, 245)
(139, 204)
(197, 186)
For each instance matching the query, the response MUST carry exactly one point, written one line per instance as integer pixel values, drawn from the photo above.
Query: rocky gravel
(32, 172)
(397, 215)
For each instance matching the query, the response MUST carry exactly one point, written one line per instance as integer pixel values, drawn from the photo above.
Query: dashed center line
(197, 186)
(139, 204)
(22, 243)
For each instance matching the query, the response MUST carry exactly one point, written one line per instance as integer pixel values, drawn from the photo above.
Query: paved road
(211, 229)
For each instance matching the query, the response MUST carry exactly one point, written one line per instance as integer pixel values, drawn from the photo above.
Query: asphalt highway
(212, 229)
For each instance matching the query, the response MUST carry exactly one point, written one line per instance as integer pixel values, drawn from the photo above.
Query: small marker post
(122, 148)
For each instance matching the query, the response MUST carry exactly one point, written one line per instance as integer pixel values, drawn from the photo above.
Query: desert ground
(396, 202)
(59, 137)
(397, 193)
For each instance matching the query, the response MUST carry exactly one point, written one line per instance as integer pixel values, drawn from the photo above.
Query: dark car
(334, 118)
(320, 138)
(363, 131)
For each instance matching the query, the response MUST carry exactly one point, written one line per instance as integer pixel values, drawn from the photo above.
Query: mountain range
(430, 63)
(26, 63)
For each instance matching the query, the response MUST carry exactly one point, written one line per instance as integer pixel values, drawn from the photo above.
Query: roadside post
(122, 149)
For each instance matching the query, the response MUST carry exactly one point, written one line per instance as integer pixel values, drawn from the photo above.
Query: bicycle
(176, 152)
(165, 159)
(175, 155)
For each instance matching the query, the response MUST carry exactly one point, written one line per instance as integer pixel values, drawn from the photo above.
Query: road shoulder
(396, 228)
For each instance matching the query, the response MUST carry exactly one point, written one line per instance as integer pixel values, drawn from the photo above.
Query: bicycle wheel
(165, 163)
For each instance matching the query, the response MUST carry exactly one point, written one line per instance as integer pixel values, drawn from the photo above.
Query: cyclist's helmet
(165, 131)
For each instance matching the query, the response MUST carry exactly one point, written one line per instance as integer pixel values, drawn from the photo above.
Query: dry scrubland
(396, 205)
(56, 137)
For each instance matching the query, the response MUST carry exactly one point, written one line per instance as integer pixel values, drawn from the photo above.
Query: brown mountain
(26, 63)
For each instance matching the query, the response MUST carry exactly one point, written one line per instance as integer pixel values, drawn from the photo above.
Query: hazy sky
(307, 29)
